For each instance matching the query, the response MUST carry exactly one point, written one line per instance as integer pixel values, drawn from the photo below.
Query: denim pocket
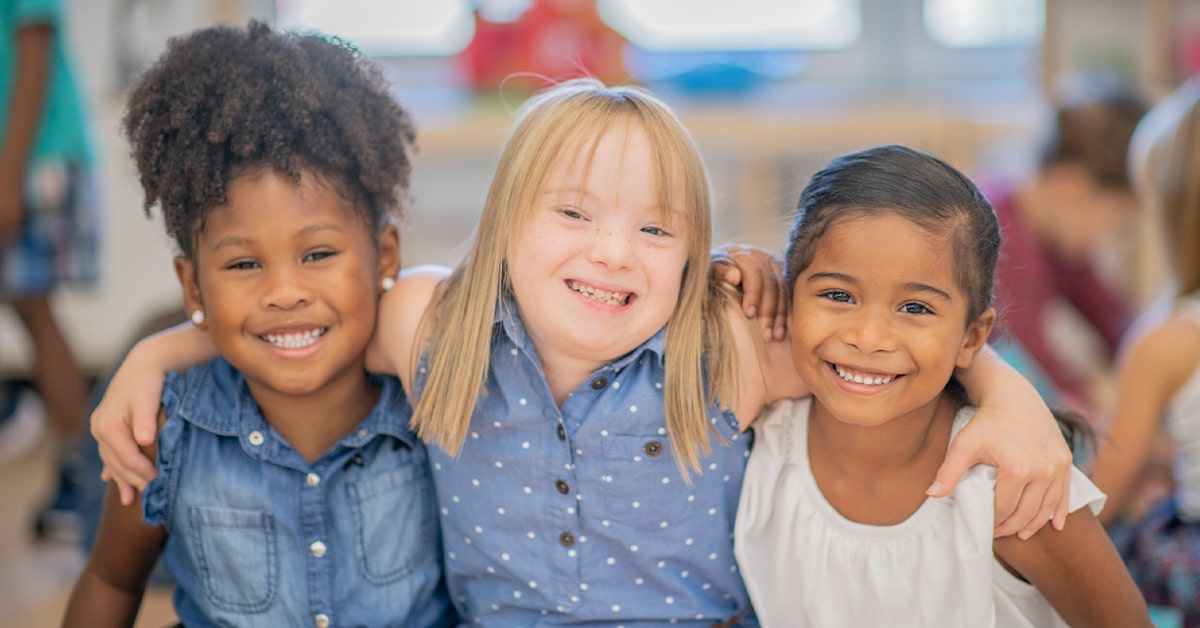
(238, 557)
(394, 521)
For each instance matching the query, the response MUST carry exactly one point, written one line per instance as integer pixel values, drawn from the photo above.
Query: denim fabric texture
(260, 537)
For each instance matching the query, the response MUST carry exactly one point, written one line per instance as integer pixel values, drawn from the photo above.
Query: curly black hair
(224, 101)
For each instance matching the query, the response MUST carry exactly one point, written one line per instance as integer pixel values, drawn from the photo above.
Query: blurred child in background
(1158, 377)
(1053, 225)
(48, 227)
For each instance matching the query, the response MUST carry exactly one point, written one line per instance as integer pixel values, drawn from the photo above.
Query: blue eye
(654, 231)
(915, 308)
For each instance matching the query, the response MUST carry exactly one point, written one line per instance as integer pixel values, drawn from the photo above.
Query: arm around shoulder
(766, 371)
(125, 416)
(1014, 431)
(395, 345)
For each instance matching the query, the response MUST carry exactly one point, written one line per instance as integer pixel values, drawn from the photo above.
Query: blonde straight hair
(1171, 167)
(570, 117)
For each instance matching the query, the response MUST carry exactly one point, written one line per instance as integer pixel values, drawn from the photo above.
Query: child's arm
(1079, 572)
(1147, 378)
(395, 343)
(131, 402)
(758, 276)
(109, 591)
(125, 417)
(29, 88)
(1014, 432)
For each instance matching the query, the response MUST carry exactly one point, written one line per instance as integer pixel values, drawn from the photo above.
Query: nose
(285, 289)
(612, 248)
(871, 330)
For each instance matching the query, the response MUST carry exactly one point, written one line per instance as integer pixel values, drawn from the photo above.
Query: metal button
(317, 548)
(567, 539)
(599, 383)
(321, 620)
(562, 432)
(256, 438)
(562, 486)
(653, 448)
(313, 480)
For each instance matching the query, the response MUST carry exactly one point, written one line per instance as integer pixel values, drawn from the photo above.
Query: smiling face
(597, 262)
(879, 321)
(288, 277)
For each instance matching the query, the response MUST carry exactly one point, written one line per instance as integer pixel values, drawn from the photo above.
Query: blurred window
(386, 28)
(984, 23)
(748, 25)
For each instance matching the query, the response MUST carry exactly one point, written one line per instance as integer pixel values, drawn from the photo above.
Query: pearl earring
(387, 283)
(198, 318)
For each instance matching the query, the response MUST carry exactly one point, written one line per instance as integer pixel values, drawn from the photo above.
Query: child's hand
(759, 277)
(1032, 468)
(1014, 431)
(126, 418)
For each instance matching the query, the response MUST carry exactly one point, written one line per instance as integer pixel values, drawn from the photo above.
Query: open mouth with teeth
(297, 340)
(863, 377)
(600, 296)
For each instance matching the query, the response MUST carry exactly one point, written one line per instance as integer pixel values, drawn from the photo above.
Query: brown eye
(915, 308)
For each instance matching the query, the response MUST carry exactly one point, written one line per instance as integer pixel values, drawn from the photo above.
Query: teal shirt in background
(63, 131)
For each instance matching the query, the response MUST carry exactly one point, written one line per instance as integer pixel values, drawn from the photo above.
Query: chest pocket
(238, 557)
(642, 486)
(394, 521)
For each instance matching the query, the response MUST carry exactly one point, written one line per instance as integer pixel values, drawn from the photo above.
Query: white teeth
(294, 341)
(860, 379)
(596, 294)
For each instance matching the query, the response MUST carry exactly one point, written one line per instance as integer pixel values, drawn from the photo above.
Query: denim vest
(257, 536)
(580, 516)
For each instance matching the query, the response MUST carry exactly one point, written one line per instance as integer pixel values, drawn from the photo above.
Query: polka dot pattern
(592, 521)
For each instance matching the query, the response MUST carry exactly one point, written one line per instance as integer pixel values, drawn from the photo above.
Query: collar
(216, 398)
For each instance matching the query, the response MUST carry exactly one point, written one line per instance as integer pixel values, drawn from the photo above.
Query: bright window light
(721, 25)
(386, 28)
(984, 23)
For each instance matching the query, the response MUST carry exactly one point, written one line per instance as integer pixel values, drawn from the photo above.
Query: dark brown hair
(224, 101)
(1094, 133)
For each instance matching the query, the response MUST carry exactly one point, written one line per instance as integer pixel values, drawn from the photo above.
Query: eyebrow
(912, 286)
(568, 189)
(236, 240)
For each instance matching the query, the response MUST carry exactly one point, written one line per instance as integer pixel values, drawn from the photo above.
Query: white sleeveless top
(1182, 418)
(807, 565)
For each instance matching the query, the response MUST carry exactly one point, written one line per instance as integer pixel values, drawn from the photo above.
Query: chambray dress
(260, 537)
(580, 516)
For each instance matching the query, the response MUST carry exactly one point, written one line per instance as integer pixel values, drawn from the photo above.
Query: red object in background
(1189, 52)
(553, 40)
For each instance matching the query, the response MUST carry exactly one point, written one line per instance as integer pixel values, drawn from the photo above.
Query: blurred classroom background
(771, 90)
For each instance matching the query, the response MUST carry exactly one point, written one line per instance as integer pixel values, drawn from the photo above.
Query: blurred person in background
(1054, 224)
(48, 231)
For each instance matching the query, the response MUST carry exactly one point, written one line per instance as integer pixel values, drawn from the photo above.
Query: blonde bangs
(567, 120)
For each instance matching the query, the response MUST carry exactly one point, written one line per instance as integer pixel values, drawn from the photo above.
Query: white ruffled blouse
(806, 565)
